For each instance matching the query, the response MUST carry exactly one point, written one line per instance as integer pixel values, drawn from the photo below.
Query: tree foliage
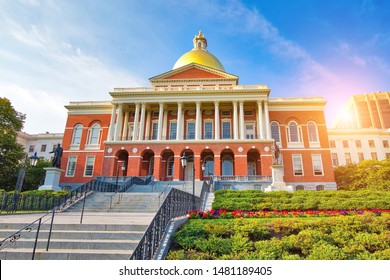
(11, 152)
(35, 176)
(368, 174)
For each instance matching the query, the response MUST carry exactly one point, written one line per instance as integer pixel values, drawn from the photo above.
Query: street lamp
(22, 171)
(183, 161)
(123, 167)
(203, 169)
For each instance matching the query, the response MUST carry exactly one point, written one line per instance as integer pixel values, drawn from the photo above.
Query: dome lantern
(199, 55)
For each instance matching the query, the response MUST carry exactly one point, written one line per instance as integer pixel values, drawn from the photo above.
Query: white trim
(322, 166)
(85, 166)
(301, 162)
(67, 166)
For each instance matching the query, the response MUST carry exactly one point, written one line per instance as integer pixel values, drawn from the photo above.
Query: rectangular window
(54, 147)
(332, 144)
(374, 156)
(191, 130)
(345, 144)
(31, 149)
(155, 114)
(385, 144)
(89, 163)
(226, 130)
(250, 131)
(360, 157)
(335, 159)
(348, 158)
(371, 143)
(248, 113)
(154, 130)
(208, 130)
(172, 130)
(71, 167)
(43, 148)
(297, 165)
(317, 165)
(358, 143)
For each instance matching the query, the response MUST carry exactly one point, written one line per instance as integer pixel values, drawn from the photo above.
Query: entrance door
(189, 171)
(251, 168)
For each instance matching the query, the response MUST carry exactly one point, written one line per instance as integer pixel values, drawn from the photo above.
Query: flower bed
(224, 214)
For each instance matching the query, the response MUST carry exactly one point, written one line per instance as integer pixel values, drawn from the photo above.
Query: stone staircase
(209, 201)
(105, 234)
(120, 202)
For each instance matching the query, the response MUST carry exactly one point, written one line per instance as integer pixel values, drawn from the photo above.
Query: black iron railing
(177, 203)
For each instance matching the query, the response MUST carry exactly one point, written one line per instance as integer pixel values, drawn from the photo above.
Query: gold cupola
(200, 55)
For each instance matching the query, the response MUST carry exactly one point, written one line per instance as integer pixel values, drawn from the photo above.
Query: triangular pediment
(194, 71)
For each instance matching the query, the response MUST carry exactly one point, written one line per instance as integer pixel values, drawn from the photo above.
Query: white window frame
(171, 169)
(96, 145)
(317, 158)
(295, 169)
(191, 121)
(172, 132)
(313, 143)
(253, 130)
(204, 129)
(278, 141)
(86, 164)
(77, 128)
(298, 143)
(154, 130)
(230, 128)
(70, 169)
(226, 113)
(335, 159)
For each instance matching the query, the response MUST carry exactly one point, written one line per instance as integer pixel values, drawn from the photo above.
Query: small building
(41, 143)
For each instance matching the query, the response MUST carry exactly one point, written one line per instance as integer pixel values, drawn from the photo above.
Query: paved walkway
(107, 218)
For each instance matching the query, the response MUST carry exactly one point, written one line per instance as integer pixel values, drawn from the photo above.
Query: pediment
(193, 71)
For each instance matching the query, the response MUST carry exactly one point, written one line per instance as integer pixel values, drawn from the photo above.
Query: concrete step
(65, 254)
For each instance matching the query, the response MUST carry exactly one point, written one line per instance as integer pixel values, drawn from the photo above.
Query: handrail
(249, 178)
(177, 203)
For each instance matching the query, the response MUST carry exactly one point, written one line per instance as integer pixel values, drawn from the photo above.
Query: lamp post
(184, 161)
(123, 167)
(22, 171)
(203, 169)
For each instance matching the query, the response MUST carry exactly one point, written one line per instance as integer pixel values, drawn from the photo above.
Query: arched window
(170, 167)
(275, 134)
(209, 166)
(312, 131)
(227, 165)
(76, 138)
(293, 132)
(94, 134)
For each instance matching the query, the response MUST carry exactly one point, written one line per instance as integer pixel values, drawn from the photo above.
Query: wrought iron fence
(177, 203)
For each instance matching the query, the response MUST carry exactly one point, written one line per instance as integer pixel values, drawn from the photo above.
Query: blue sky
(53, 52)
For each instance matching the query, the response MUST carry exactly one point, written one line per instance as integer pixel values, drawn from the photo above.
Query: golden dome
(199, 55)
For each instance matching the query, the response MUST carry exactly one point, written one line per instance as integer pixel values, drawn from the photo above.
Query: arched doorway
(189, 170)
(207, 158)
(227, 163)
(121, 162)
(167, 165)
(147, 166)
(253, 163)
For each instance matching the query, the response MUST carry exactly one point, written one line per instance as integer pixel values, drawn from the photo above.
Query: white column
(125, 126)
(135, 125)
(242, 121)
(267, 128)
(142, 122)
(165, 125)
(118, 126)
(112, 123)
(216, 119)
(160, 121)
(148, 119)
(178, 124)
(198, 122)
(260, 121)
(235, 120)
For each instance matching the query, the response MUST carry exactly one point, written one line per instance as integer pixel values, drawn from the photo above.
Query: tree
(11, 152)
(35, 176)
(368, 174)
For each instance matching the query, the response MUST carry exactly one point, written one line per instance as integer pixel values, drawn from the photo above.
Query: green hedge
(31, 200)
(365, 237)
(254, 200)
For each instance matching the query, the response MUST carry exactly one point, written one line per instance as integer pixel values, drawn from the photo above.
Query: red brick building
(199, 110)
